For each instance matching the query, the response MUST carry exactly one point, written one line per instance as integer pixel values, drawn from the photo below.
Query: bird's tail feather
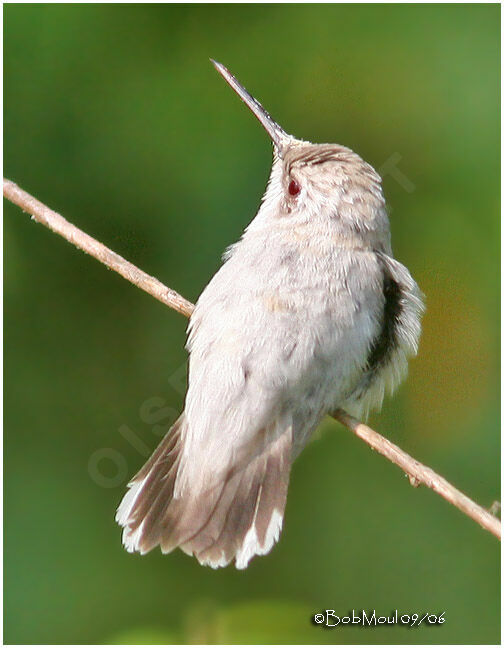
(239, 517)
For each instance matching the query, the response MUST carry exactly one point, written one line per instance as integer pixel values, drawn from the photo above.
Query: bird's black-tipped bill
(276, 132)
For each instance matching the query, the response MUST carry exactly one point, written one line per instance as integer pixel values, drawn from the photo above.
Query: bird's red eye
(294, 188)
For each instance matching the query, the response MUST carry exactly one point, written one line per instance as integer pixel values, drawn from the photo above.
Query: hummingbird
(309, 313)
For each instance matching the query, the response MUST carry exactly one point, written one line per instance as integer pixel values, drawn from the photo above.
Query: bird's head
(325, 185)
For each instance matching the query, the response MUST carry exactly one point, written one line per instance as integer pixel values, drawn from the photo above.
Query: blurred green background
(114, 116)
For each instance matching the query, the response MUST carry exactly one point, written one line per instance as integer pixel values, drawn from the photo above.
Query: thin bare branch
(55, 222)
(417, 472)
(420, 474)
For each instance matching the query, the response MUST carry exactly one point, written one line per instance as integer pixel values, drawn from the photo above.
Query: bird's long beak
(279, 137)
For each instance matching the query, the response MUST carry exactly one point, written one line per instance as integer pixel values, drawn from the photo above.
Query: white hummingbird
(309, 313)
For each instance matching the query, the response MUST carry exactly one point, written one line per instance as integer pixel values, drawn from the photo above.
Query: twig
(55, 222)
(417, 472)
(420, 474)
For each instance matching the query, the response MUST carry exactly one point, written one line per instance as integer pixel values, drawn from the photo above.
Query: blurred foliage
(113, 116)
(257, 623)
